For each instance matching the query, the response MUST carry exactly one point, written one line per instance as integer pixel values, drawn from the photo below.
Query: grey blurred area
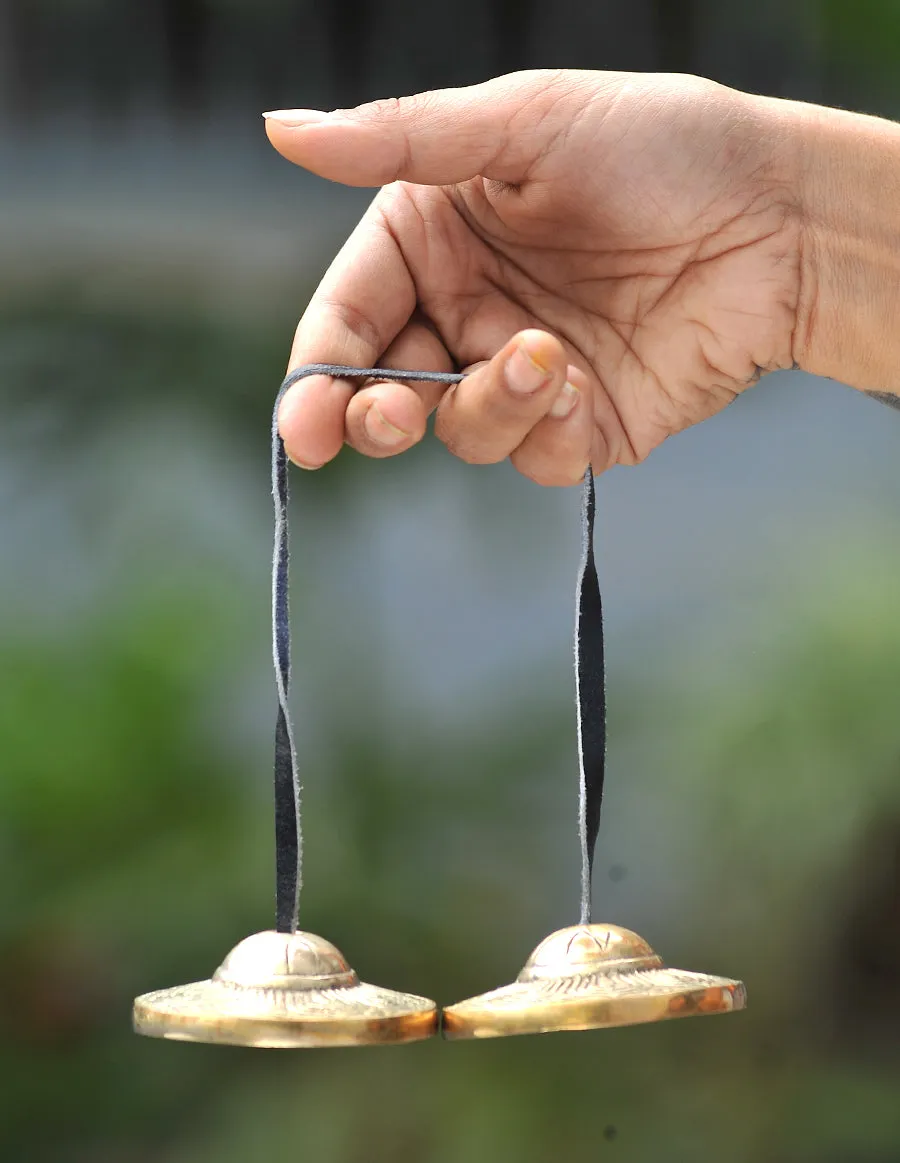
(155, 255)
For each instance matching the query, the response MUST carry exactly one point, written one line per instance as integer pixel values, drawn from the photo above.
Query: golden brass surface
(285, 990)
(588, 977)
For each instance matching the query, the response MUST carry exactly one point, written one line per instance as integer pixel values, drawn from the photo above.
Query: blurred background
(155, 255)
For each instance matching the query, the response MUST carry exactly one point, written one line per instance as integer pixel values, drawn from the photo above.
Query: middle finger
(484, 418)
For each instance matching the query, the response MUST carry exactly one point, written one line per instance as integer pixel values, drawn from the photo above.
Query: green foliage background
(136, 850)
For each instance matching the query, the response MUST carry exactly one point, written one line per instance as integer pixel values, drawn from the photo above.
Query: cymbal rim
(475, 1017)
(156, 1015)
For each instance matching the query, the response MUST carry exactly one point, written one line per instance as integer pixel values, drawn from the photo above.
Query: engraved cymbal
(285, 990)
(588, 977)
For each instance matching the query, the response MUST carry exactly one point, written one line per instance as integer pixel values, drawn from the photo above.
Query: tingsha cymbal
(588, 977)
(285, 990)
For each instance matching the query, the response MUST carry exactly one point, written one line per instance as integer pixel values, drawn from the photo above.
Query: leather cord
(590, 695)
(589, 668)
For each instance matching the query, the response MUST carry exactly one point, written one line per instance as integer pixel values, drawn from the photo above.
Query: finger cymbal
(285, 990)
(590, 977)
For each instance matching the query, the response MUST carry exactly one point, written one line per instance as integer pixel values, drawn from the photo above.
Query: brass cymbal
(588, 977)
(285, 990)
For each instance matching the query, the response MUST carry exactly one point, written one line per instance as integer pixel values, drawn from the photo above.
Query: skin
(616, 256)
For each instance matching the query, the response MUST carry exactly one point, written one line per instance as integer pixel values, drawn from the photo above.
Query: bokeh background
(154, 257)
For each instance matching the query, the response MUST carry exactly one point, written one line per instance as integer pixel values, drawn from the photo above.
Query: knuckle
(628, 454)
(354, 320)
(397, 114)
(385, 108)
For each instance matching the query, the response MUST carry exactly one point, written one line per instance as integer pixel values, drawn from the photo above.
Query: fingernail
(565, 401)
(296, 117)
(524, 374)
(381, 430)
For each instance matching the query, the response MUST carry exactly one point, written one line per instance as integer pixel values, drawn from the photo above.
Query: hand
(624, 250)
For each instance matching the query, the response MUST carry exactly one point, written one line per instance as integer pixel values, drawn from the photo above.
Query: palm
(674, 288)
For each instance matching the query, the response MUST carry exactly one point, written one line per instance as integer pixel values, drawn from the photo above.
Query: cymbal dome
(289, 961)
(589, 949)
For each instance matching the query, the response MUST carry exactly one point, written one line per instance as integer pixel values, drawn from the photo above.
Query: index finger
(364, 300)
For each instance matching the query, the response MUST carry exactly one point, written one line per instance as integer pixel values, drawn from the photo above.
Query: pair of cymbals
(293, 990)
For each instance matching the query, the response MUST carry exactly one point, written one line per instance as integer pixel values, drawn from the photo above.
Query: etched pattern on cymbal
(289, 991)
(362, 1000)
(591, 977)
(635, 983)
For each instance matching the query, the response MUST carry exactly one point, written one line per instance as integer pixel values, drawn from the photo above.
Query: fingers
(558, 449)
(363, 302)
(450, 135)
(526, 403)
(388, 417)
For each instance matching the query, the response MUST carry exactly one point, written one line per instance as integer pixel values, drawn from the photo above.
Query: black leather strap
(588, 651)
(590, 688)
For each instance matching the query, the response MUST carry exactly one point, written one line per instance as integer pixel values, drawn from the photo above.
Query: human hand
(625, 251)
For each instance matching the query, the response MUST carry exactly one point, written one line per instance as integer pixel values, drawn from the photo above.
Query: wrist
(848, 311)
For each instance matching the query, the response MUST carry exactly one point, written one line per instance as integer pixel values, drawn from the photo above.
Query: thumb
(496, 129)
